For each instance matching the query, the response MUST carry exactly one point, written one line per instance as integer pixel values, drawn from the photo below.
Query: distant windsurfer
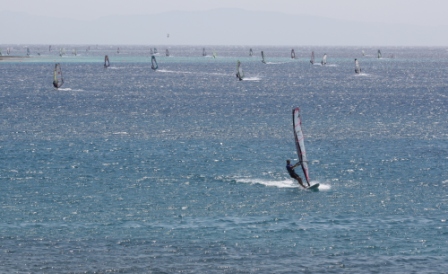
(56, 83)
(293, 174)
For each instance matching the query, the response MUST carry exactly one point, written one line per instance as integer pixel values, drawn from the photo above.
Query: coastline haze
(221, 26)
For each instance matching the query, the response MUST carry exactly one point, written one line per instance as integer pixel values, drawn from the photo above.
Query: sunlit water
(183, 169)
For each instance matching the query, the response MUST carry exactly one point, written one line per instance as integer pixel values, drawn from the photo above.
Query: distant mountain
(214, 27)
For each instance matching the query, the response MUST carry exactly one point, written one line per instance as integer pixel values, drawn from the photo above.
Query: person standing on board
(292, 173)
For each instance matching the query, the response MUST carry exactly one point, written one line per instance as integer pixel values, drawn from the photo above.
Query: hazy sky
(416, 12)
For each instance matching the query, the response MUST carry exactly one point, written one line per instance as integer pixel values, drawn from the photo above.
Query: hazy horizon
(198, 22)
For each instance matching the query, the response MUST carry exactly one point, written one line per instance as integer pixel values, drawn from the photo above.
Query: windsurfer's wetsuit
(293, 174)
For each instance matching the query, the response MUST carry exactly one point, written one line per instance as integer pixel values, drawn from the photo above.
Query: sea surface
(182, 170)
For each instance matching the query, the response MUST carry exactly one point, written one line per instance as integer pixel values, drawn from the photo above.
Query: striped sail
(300, 142)
(58, 80)
(154, 64)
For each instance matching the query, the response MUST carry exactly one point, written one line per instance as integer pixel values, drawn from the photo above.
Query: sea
(182, 170)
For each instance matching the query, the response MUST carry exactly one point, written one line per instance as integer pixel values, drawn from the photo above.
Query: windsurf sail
(8, 51)
(357, 67)
(214, 55)
(204, 53)
(118, 50)
(312, 58)
(75, 52)
(167, 52)
(106, 62)
(251, 53)
(49, 48)
(239, 71)
(58, 80)
(154, 64)
(363, 53)
(262, 58)
(293, 54)
(379, 54)
(324, 60)
(300, 142)
(28, 53)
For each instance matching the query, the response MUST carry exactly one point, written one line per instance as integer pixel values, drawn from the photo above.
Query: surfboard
(314, 187)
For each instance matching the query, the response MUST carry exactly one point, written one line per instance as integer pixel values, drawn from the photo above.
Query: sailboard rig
(300, 142)
(8, 51)
(106, 62)
(167, 53)
(239, 71)
(58, 80)
(118, 50)
(324, 60)
(262, 58)
(154, 64)
(251, 53)
(293, 54)
(379, 54)
(28, 53)
(357, 67)
(204, 53)
(312, 58)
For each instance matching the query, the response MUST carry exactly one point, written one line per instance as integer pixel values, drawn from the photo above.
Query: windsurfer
(55, 79)
(292, 173)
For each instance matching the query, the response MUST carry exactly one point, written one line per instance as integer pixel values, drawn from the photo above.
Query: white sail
(239, 71)
(251, 53)
(167, 52)
(262, 58)
(324, 60)
(300, 142)
(357, 67)
(379, 54)
(293, 54)
(28, 53)
(312, 58)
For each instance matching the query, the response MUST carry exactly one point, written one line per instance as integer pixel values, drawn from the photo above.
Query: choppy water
(182, 170)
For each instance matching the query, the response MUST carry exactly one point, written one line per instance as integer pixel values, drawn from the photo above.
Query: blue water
(182, 170)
